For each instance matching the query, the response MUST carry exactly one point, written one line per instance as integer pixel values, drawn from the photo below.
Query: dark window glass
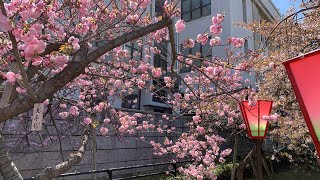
(184, 68)
(204, 50)
(196, 13)
(133, 50)
(186, 4)
(186, 17)
(206, 10)
(131, 101)
(160, 60)
(196, 49)
(194, 9)
(205, 2)
(195, 4)
(160, 92)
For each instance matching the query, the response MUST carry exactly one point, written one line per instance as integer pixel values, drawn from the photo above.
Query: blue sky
(283, 5)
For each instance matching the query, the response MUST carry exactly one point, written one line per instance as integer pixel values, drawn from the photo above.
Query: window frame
(191, 10)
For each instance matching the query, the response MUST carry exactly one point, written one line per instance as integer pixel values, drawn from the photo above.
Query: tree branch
(73, 70)
(54, 171)
(173, 49)
(16, 54)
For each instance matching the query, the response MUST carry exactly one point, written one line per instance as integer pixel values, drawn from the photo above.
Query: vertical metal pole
(259, 159)
(110, 174)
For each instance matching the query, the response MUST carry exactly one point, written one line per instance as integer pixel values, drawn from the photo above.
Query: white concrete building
(198, 15)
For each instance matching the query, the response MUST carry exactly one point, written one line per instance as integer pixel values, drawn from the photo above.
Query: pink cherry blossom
(226, 152)
(156, 72)
(210, 70)
(75, 43)
(180, 25)
(63, 115)
(104, 131)
(141, 84)
(4, 23)
(63, 106)
(21, 90)
(242, 126)
(59, 60)
(202, 38)
(189, 43)
(106, 121)
(133, 5)
(237, 42)
(34, 46)
(117, 83)
(200, 129)
(215, 41)
(215, 29)
(74, 110)
(218, 19)
(87, 121)
(11, 77)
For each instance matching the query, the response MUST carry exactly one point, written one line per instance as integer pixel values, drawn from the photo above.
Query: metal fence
(111, 170)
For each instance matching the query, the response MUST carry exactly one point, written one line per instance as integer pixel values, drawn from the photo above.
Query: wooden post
(234, 159)
(259, 159)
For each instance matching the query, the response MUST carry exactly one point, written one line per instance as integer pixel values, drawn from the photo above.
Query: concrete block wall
(111, 153)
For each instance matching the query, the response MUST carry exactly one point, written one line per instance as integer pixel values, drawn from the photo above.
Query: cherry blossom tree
(69, 55)
(295, 34)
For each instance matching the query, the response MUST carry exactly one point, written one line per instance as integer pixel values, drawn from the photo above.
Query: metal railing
(111, 170)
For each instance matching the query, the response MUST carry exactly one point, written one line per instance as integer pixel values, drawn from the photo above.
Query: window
(204, 50)
(160, 93)
(159, 60)
(131, 101)
(162, 110)
(194, 9)
(133, 51)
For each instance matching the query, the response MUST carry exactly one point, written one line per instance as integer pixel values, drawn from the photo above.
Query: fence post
(175, 169)
(110, 174)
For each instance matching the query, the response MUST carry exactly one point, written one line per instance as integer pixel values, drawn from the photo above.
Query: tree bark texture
(8, 169)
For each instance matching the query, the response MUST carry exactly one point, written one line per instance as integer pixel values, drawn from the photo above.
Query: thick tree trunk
(8, 169)
(242, 166)
(54, 171)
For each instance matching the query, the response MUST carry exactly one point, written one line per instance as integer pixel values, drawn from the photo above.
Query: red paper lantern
(253, 116)
(304, 74)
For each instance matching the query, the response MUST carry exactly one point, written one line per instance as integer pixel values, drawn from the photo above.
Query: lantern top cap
(301, 56)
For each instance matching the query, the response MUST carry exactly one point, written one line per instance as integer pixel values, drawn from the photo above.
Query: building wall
(236, 11)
